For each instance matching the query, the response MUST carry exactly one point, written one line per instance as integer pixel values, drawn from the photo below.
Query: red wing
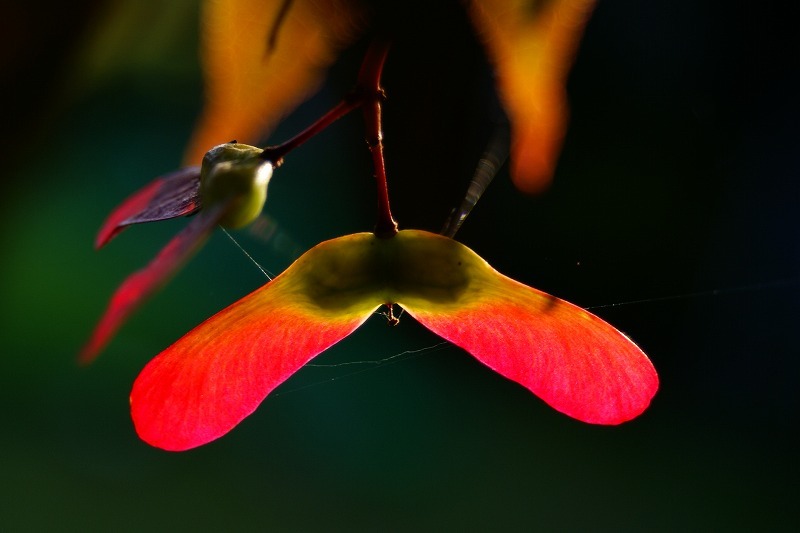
(573, 360)
(143, 283)
(170, 196)
(202, 386)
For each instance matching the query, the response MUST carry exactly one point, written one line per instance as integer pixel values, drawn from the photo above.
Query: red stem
(275, 154)
(369, 81)
(367, 94)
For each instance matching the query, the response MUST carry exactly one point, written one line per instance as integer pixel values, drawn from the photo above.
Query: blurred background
(673, 215)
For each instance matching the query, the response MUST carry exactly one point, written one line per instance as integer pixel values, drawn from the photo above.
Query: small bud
(235, 173)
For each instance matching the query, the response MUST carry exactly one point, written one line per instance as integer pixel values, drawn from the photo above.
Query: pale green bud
(235, 173)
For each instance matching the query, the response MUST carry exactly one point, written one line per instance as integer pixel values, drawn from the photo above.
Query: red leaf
(143, 283)
(170, 196)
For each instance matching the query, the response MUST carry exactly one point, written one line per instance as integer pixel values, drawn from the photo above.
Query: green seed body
(235, 173)
(412, 266)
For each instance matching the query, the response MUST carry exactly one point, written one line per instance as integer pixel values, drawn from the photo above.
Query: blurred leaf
(262, 58)
(138, 39)
(532, 44)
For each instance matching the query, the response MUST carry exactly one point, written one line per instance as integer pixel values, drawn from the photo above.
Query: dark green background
(678, 179)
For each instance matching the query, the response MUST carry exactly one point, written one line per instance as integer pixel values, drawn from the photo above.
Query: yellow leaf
(262, 58)
(532, 44)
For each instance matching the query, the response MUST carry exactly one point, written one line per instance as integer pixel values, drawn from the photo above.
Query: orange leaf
(261, 59)
(532, 44)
